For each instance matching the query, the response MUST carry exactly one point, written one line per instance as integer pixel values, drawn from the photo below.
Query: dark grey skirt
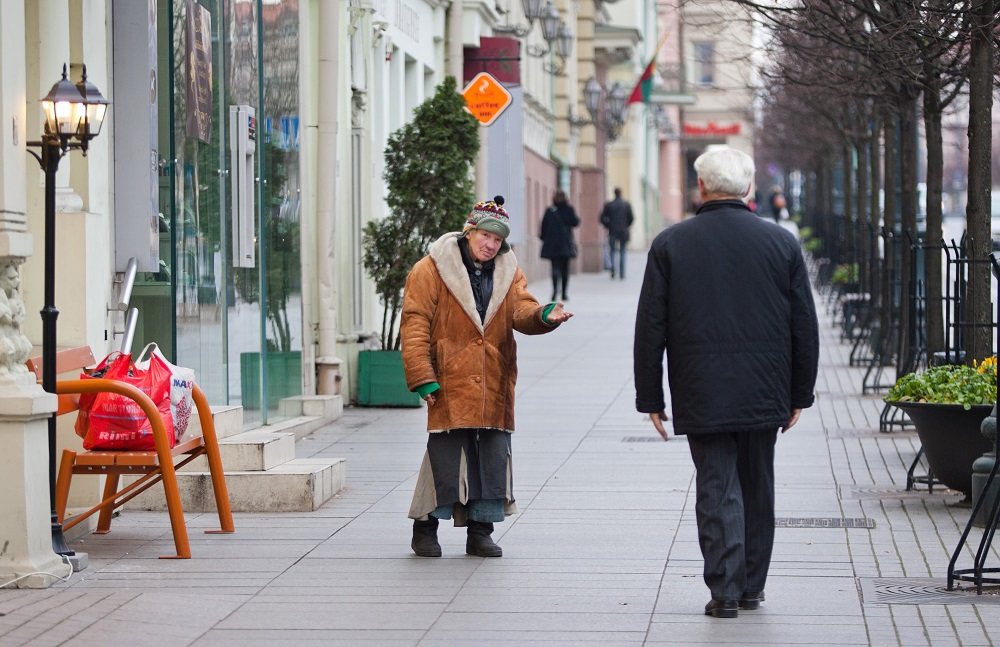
(462, 465)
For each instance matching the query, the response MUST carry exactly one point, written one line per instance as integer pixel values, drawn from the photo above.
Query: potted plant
(429, 192)
(947, 405)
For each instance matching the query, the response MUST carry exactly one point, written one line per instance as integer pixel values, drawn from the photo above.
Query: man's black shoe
(722, 608)
(750, 601)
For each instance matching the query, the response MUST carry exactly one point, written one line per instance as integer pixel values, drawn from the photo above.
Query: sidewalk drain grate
(823, 522)
(910, 590)
(869, 432)
(643, 439)
(854, 493)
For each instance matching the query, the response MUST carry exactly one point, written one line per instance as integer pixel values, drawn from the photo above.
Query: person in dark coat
(617, 218)
(727, 297)
(557, 241)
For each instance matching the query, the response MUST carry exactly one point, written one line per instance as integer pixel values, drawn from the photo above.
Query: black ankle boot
(425, 541)
(479, 541)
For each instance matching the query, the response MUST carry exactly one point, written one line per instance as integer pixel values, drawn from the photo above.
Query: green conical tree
(431, 189)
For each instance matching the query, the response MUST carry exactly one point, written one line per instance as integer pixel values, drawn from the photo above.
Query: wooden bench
(155, 466)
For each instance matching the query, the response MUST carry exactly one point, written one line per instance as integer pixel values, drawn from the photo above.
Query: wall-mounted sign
(501, 57)
(485, 98)
(711, 129)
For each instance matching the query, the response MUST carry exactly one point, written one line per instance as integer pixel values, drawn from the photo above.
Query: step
(250, 451)
(300, 485)
(228, 422)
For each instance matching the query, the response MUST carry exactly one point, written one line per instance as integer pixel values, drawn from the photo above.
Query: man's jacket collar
(716, 205)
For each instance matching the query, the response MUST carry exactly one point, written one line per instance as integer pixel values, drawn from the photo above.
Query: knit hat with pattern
(491, 217)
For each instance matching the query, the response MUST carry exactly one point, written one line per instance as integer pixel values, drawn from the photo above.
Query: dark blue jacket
(727, 296)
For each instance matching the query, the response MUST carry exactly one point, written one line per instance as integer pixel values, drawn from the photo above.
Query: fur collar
(448, 259)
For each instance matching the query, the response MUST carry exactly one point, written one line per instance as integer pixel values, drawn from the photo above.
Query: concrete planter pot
(381, 381)
(951, 438)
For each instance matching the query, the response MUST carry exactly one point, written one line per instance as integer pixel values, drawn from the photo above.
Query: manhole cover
(823, 522)
(910, 590)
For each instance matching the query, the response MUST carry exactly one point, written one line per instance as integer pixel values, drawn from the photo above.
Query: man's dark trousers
(735, 509)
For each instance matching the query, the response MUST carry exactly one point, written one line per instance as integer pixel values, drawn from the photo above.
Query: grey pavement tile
(514, 637)
(746, 630)
(332, 615)
(583, 623)
(374, 638)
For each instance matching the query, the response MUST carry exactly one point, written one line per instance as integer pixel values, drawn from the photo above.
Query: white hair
(725, 171)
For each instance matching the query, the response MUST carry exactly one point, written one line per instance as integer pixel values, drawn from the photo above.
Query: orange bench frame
(157, 465)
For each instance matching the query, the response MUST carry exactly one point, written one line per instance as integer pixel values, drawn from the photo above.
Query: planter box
(951, 439)
(284, 378)
(381, 382)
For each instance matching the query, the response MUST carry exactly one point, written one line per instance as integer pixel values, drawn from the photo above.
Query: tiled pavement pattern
(603, 552)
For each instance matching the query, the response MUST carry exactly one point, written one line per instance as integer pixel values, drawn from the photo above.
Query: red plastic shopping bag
(113, 421)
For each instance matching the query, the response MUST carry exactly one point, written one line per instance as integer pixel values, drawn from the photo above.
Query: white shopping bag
(181, 386)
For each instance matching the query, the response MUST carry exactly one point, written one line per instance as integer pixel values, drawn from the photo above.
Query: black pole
(51, 154)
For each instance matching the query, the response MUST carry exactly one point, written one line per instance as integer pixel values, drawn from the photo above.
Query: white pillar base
(25, 516)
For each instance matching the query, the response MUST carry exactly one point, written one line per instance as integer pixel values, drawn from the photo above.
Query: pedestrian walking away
(727, 297)
(779, 208)
(617, 218)
(461, 306)
(557, 241)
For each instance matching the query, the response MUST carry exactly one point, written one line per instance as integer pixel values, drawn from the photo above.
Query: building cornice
(613, 44)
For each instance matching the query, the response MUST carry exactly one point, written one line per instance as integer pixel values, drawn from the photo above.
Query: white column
(25, 532)
(327, 362)
(53, 34)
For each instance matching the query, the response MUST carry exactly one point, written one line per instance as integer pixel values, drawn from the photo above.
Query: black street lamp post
(73, 116)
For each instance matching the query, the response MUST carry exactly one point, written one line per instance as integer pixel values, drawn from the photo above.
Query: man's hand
(658, 420)
(557, 315)
(430, 399)
(791, 421)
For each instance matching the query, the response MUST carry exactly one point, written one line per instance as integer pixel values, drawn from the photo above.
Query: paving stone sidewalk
(603, 551)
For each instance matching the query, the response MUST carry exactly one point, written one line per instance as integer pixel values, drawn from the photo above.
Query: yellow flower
(988, 364)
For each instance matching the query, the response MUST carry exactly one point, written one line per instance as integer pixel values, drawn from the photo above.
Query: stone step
(251, 451)
(228, 422)
(300, 485)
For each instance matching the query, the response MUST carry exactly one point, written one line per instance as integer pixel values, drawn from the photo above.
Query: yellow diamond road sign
(485, 98)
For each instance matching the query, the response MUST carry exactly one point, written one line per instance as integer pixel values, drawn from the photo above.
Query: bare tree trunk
(874, 156)
(978, 309)
(849, 225)
(861, 208)
(908, 210)
(935, 181)
(890, 276)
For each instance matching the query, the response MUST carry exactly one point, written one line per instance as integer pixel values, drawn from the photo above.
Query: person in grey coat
(617, 218)
(727, 297)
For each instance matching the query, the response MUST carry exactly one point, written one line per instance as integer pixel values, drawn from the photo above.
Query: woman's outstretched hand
(557, 315)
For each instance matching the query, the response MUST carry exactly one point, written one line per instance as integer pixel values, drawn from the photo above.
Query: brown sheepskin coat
(443, 340)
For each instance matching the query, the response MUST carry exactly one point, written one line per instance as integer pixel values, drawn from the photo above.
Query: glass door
(205, 300)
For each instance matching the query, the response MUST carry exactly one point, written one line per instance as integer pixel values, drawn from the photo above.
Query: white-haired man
(727, 297)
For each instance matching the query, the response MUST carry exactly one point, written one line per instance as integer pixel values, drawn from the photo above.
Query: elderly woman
(462, 304)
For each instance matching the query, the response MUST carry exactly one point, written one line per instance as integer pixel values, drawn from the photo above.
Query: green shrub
(966, 385)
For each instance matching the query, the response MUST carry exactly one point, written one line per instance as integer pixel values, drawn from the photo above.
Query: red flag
(644, 86)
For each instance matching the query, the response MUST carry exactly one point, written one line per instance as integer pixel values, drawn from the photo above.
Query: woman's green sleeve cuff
(426, 389)
(545, 313)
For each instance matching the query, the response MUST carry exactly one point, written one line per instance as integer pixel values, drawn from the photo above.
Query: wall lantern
(557, 35)
(74, 115)
(609, 114)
